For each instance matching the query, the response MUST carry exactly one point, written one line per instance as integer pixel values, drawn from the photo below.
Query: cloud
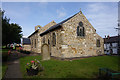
(103, 17)
(95, 7)
(61, 13)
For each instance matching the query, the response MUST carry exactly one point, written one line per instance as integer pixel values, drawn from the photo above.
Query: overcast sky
(102, 15)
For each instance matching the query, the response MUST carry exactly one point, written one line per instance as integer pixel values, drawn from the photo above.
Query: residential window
(80, 30)
(98, 43)
(54, 39)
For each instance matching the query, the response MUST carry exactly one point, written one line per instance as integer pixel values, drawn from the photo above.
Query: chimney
(108, 36)
(105, 36)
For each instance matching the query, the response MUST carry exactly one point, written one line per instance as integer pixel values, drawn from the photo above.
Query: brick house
(73, 37)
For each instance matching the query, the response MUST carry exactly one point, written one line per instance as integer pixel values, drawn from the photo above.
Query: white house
(111, 45)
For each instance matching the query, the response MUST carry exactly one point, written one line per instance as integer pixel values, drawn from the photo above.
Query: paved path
(13, 70)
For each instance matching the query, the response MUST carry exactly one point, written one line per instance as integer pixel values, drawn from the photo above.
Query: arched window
(98, 43)
(80, 30)
(35, 43)
(43, 40)
(48, 41)
(32, 43)
(54, 39)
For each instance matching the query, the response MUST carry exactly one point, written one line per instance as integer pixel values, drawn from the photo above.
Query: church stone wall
(37, 37)
(75, 46)
(68, 44)
(32, 39)
(54, 50)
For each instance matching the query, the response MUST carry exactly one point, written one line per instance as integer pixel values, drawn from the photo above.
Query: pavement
(13, 70)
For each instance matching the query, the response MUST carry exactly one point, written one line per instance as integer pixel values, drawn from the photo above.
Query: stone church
(73, 37)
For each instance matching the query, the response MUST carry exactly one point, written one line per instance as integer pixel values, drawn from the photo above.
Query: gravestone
(45, 52)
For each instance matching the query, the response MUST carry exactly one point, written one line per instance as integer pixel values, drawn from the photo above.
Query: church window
(43, 40)
(48, 41)
(80, 30)
(32, 43)
(54, 39)
(98, 43)
(80, 24)
(35, 43)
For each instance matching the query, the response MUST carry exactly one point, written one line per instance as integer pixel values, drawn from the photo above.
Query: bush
(25, 52)
(34, 67)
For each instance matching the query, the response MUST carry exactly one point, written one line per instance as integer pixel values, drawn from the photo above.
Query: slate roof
(112, 39)
(26, 41)
(33, 33)
(59, 25)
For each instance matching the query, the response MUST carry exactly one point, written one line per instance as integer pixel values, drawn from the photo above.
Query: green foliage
(34, 64)
(5, 54)
(82, 68)
(4, 68)
(28, 66)
(10, 32)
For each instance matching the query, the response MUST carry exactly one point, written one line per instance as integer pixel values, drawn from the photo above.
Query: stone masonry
(35, 36)
(68, 44)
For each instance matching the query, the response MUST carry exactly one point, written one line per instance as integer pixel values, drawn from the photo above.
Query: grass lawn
(82, 68)
(4, 68)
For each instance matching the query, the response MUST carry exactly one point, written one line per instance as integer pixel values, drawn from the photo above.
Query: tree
(11, 33)
(15, 33)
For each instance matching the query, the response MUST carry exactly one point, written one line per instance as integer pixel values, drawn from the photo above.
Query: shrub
(34, 64)
(25, 52)
(34, 67)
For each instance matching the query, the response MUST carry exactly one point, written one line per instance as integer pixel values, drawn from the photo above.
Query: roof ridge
(57, 25)
(49, 23)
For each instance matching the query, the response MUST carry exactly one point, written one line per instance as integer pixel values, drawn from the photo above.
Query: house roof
(33, 33)
(112, 39)
(59, 25)
(26, 41)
